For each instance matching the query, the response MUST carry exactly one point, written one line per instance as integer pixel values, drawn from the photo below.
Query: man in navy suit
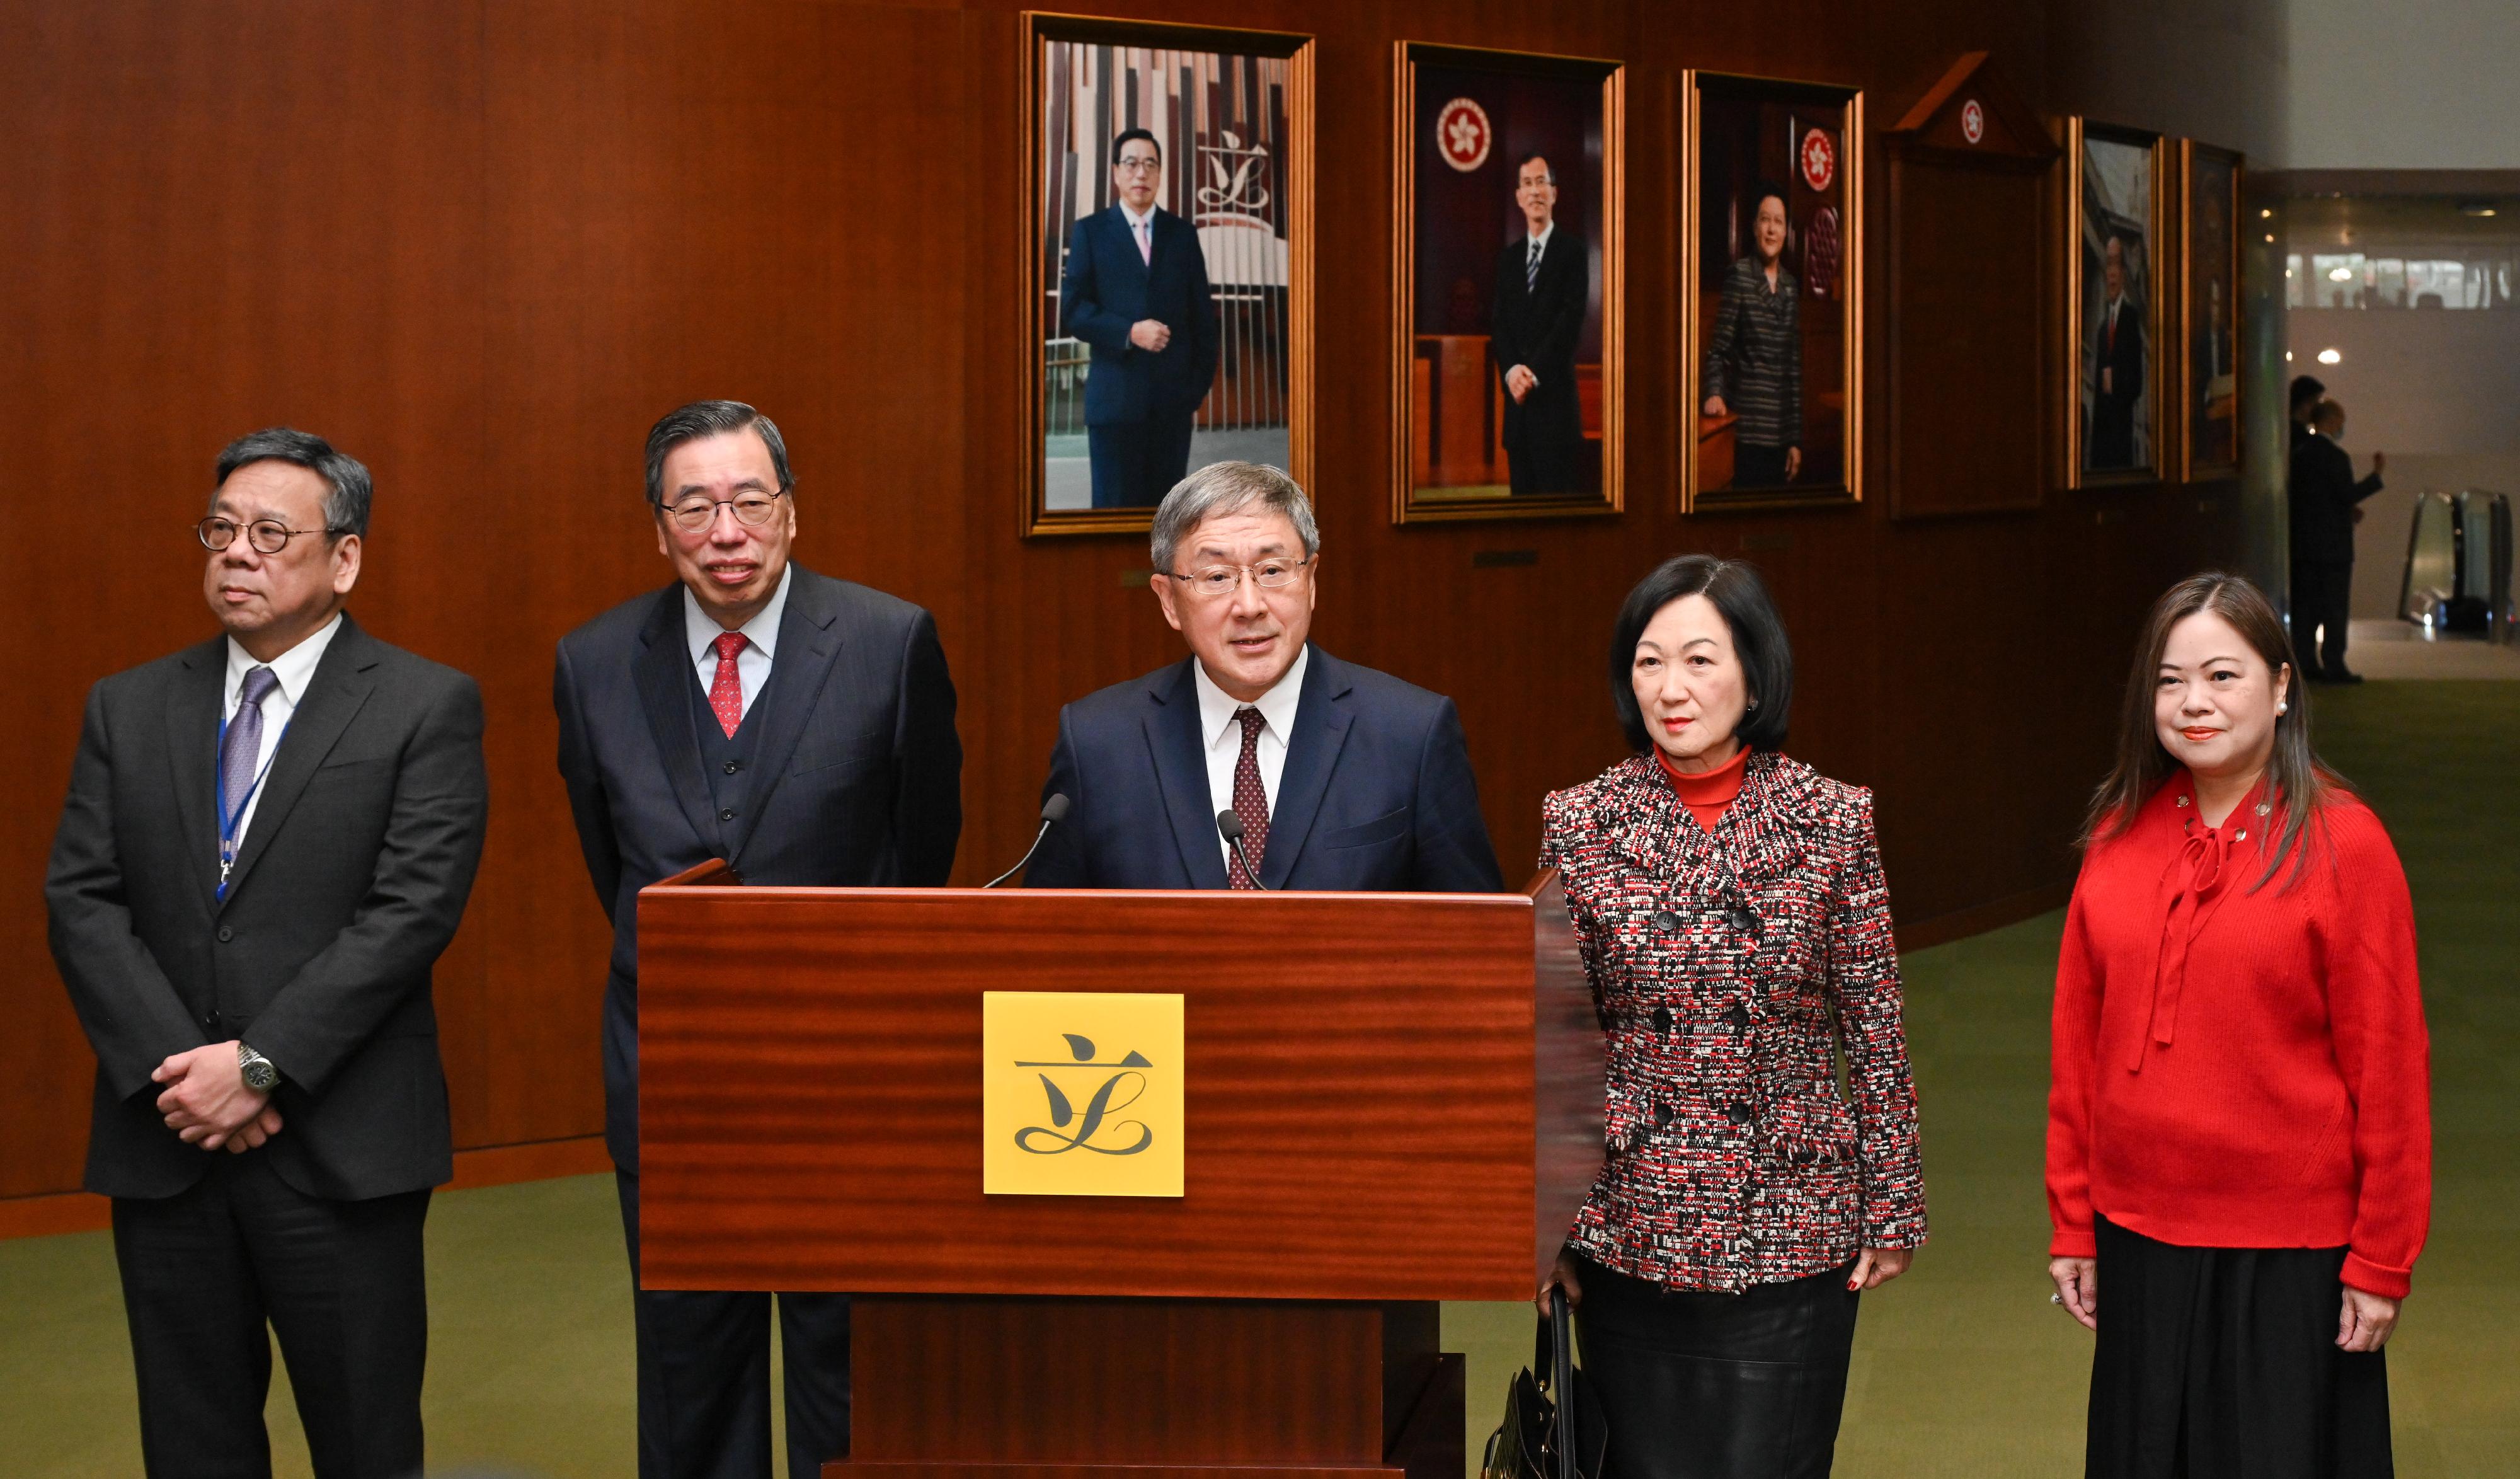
(1136, 289)
(2117, 366)
(802, 729)
(1341, 777)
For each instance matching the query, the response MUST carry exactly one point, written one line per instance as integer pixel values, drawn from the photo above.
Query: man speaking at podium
(801, 728)
(1333, 776)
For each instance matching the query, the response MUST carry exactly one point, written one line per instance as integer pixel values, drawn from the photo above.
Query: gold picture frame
(2098, 452)
(1826, 181)
(1250, 174)
(2209, 332)
(1462, 465)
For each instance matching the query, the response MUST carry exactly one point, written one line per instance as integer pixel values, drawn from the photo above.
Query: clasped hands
(1518, 381)
(206, 1103)
(1150, 335)
(2363, 1321)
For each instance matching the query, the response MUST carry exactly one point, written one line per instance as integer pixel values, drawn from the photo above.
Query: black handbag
(1552, 1428)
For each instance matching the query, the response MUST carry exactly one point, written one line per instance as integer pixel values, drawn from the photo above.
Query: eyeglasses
(1138, 166)
(267, 536)
(1219, 579)
(751, 510)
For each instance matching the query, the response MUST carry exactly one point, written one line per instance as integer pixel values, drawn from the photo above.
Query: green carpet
(1962, 1367)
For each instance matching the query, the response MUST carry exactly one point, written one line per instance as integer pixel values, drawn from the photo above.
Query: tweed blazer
(1728, 968)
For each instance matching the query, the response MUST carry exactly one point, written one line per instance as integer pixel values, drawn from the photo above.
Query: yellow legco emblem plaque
(1080, 1094)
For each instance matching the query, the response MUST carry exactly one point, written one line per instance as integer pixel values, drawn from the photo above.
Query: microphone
(1052, 813)
(1230, 827)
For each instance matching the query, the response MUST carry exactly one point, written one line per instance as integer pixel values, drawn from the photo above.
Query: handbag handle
(1552, 1363)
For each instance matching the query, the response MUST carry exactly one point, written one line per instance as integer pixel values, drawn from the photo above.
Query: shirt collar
(1541, 240)
(1217, 708)
(295, 668)
(700, 629)
(1135, 219)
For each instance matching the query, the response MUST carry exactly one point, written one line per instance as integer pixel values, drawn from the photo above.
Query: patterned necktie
(726, 693)
(1531, 268)
(1250, 798)
(240, 760)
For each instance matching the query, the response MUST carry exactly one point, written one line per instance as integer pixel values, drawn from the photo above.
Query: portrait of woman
(2239, 1142)
(1729, 910)
(1754, 367)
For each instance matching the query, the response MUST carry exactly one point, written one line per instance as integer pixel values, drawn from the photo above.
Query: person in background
(801, 729)
(1730, 907)
(1754, 362)
(2239, 1176)
(2117, 365)
(2325, 507)
(269, 839)
(1543, 282)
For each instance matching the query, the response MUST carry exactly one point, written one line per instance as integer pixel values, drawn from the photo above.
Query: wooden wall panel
(482, 246)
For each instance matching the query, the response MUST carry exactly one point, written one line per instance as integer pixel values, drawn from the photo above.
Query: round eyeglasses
(752, 510)
(1213, 580)
(267, 536)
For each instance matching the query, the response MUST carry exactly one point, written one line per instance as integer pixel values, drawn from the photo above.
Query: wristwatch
(259, 1074)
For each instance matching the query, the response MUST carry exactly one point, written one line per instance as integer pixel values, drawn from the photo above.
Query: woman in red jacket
(1730, 912)
(2240, 1148)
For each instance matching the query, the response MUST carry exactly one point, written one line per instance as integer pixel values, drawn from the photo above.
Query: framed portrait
(1169, 175)
(1508, 285)
(2208, 311)
(2114, 294)
(1771, 306)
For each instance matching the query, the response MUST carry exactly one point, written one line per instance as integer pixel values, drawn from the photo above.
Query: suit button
(1666, 921)
(733, 766)
(226, 933)
(1662, 1115)
(1746, 922)
(726, 815)
(1738, 1114)
(1740, 1017)
(1662, 1019)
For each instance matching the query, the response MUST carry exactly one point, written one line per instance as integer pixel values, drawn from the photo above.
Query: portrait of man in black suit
(801, 729)
(1543, 282)
(1136, 289)
(2117, 371)
(268, 840)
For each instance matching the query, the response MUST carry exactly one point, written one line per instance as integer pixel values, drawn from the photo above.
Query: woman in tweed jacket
(1730, 910)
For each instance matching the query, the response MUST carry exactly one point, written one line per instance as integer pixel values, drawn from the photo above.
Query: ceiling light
(2271, 239)
(2288, 357)
(2340, 274)
(2329, 358)
(2475, 208)
(2267, 214)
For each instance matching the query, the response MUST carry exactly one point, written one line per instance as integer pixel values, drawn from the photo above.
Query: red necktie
(726, 693)
(1250, 798)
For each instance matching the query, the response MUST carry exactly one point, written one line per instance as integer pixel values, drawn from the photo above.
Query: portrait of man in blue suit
(1135, 290)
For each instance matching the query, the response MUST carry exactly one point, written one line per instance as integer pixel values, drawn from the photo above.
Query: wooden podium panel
(1388, 1096)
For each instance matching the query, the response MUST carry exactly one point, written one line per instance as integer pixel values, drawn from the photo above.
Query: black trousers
(704, 1375)
(2222, 1363)
(342, 1284)
(1134, 463)
(2323, 596)
(1756, 466)
(1718, 1386)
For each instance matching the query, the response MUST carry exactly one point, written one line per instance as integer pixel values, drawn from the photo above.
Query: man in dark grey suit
(801, 728)
(268, 840)
(1543, 283)
(1338, 777)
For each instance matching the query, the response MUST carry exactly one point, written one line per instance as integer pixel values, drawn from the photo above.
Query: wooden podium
(1388, 1099)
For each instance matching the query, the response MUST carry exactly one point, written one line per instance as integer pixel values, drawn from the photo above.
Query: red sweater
(2238, 1068)
(1709, 793)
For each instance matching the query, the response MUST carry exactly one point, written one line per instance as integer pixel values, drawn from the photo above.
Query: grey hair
(710, 418)
(1228, 487)
(347, 487)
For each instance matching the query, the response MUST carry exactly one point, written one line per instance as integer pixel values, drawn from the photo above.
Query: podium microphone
(1052, 813)
(1230, 827)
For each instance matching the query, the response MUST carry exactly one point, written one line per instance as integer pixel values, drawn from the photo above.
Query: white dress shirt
(1224, 737)
(1141, 230)
(760, 641)
(295, 668)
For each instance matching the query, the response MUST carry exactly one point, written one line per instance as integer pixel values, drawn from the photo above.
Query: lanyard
(230, 821)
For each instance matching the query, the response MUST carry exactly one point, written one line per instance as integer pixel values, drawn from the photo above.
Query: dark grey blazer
(860, 771)
(352, 878)
(1378, 792)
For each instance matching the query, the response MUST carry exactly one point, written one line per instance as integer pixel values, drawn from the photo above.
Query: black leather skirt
(1718, 1386)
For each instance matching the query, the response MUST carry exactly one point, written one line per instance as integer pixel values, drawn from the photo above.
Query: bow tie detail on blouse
(2199, 872)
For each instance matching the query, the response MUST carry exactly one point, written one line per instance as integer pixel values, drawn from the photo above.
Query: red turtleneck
(1708, 794)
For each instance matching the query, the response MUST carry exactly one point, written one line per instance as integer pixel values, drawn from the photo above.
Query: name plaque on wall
(1081, 1094)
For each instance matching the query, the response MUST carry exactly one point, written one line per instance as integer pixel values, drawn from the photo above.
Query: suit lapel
(664, 674)
(193, 755)
(1181, 769)
(1144, 265)
(334, 694)
(1321, 720)
(809, 638)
